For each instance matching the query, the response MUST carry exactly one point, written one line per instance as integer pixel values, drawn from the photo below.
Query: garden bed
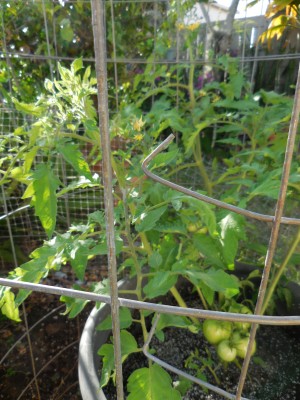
(274, 372)
(55, 342)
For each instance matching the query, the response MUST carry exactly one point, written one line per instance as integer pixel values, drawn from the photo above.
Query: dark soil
(276, 377)
(54, 342)
(274, 371)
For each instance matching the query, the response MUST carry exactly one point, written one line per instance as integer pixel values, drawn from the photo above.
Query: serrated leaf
(208, 293)
(79, 260)
(101, 249)
(87, 73)
(77, 65)
(98, 217)
(152, 383)
(210, 248)
(178, 321)
(155, 260)
(149, 219)
(29, 158)
(73, 306)
(232, 141)
(177, 204)
(30, 108)
(232, 230)
(22, 296)
(8, 307)
(184, 384)
(128, 346)
(242, 105)
(125, 320)
(237, 83)
(189, 139)
(268, 188)
(82, 183)
(163, 159)
(216, 280)
(74, 157)
(108, 361)
(45, 184)
(160, 284)
(171, 227)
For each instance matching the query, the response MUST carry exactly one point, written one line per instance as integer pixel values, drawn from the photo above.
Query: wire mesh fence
(142, 38)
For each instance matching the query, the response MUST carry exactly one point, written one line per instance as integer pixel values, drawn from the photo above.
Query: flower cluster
(189, 27)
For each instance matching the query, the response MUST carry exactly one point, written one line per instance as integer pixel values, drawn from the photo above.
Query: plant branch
(200, 164)
(79, 137)
(161, 89)
(181, 302)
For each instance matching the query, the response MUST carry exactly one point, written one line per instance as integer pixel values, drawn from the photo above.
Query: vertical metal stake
(101, 73)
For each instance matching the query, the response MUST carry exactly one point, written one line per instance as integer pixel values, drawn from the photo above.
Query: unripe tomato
(192, 227)
(240, 343)
(240, 309)
(226, 351)
(216, 331)
(203, 230)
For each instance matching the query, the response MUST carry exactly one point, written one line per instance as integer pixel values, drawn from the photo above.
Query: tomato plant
(175, 236)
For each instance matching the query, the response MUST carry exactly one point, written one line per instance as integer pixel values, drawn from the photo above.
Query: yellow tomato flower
(138, 124)
(180, 27)
(138, 137)
(216, 98)
(193, 26)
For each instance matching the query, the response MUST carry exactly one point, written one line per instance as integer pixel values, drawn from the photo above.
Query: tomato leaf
(149, 219)
(128, 346)
(178, 321)
(216, 280)
(73, 306)
(210, 248)
(125, 320)
(45, 184)
(74, 157)
(160, 284)
(232, 229)
(152, 383)
(8, 306)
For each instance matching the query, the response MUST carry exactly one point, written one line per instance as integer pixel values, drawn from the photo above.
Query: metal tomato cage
(98, 18)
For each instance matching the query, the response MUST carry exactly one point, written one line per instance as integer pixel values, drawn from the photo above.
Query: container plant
(162, 237)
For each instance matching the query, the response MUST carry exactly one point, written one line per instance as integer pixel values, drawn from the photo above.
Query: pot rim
(91, 339)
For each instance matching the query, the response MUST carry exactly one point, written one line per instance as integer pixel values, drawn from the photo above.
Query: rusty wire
(160, 308)
(202, 197)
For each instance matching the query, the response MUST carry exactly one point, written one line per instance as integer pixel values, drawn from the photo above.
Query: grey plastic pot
(91, 340)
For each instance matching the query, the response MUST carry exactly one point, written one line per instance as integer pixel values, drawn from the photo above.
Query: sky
(258, 9)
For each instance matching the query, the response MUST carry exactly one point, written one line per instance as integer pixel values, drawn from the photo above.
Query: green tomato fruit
(192, 228)
(216, 331)
(226, 351)
(203, 231)
(240, 309)
(240, 343)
